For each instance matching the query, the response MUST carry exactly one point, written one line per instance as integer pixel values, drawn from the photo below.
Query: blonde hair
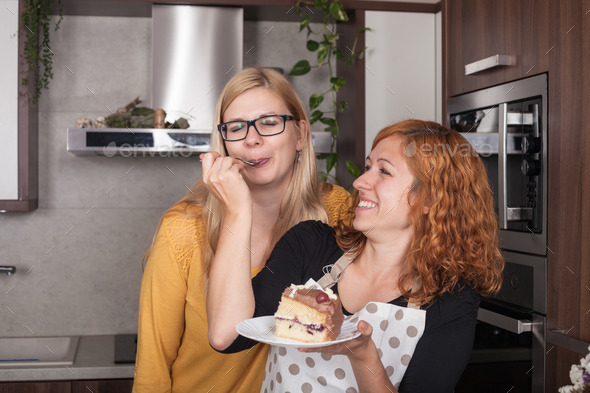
(458, 238)
(302, 199)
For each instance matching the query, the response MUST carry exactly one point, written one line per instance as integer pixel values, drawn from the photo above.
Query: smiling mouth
(366, 204)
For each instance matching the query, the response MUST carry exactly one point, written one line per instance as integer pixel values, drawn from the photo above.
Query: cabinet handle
(571, 344)
(489, 63)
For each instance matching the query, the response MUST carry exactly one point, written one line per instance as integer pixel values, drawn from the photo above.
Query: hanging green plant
(324, 43)
(36, 24)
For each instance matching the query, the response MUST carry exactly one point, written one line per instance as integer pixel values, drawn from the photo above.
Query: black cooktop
(125, 348)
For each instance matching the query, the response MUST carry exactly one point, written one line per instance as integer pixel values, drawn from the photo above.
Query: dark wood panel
(476, 30)
(36, 387)
(351, 139)
(568, 298)
(18, 206)
(536, 40)
(392, 6)
(143, 7)
(103, 386)
(558, 358)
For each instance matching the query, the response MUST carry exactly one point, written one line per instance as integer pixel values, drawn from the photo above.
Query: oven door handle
(502, 163)
(504, 322)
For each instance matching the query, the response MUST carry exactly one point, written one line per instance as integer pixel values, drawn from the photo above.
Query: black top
(444, 348)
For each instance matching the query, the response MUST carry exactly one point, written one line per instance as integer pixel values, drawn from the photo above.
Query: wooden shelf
(254, 9)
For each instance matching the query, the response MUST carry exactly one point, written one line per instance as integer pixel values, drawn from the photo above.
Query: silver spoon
(246, 162)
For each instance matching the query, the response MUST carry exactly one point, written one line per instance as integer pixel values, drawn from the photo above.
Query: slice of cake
(309, 315)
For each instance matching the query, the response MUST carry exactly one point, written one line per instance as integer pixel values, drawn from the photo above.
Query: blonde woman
(261, 121)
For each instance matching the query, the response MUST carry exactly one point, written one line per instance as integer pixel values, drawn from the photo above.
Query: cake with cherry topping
(309, 315)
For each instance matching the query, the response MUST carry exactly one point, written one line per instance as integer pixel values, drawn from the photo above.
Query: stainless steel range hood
(196, 50)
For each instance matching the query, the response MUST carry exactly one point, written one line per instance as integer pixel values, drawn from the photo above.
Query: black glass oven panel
(517, 285)
(103, 139)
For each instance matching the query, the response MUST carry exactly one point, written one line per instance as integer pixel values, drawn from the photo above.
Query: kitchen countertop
(94, 360)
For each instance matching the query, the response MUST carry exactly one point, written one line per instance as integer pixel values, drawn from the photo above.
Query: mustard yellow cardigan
(173, 351)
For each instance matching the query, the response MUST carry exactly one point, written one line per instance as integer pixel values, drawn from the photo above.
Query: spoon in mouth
(246, 162)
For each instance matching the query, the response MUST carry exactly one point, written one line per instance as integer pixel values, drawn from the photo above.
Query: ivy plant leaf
(305, 22)
(336, 83)
(330, 39)
(329, 121)
(342, 105)
(333, 130)
(322, 5)
(315, 100)
(301, 68)
(337, 11)
(312, 45)
(353, 169)
(332, 125)
(361, 53)
(331, 160)
(338, 54)
(322, 54)
(315, 116)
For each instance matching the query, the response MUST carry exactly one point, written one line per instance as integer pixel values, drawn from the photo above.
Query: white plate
(263, 329)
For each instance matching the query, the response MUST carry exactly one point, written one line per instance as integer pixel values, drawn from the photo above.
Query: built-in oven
(507, 126)
(509, 347)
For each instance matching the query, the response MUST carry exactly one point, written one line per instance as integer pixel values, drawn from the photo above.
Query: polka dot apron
(396, 331)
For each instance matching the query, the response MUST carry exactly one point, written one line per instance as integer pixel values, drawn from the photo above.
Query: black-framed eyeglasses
(265, 126)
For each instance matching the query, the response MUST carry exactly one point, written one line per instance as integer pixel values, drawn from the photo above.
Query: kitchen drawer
(103, 386)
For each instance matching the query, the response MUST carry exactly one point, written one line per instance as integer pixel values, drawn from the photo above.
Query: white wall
(402, 73)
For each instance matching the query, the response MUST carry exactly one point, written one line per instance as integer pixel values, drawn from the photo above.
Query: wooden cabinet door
(18, 118)
(478, 29)
(103, 386)
(36, 387)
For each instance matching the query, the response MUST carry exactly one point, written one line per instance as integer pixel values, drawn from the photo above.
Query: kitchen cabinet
(479, 29)
(547, 37)
(8, 102)
(18, 120)
(36, 387)
(99, 386)
(557, 355)
(103, 386)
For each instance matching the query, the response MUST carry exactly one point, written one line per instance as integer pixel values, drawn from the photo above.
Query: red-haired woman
(422, 245)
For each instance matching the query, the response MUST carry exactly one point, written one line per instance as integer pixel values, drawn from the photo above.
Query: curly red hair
(458, 238)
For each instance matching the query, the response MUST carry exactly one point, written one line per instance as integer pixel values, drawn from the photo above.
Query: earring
(298, 155)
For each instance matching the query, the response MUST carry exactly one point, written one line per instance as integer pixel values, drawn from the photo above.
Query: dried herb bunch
(36, 24)
(325, 43)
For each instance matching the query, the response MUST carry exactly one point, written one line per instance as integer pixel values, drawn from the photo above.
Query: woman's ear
(303, 130)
